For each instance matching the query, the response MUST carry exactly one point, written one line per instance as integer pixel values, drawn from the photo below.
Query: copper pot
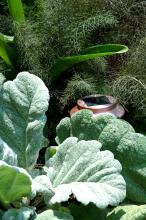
(99, 104)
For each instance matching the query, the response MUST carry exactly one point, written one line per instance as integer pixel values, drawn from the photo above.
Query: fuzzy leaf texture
(7, 154)
(128, 212)
(54, 215)
(42, 185)
(23, 103)
(90, 175)
(117, 136)
(82, 125)
(15, 183)
(23, 213)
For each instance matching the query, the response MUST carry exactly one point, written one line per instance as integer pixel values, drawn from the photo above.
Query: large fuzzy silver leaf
(119, 137)
(81, 170)
(23, 103)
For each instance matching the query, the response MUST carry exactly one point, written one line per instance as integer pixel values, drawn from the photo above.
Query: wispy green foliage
(131, 92)
(54, 32)
(28, 45)
(135, 64)
(71, 23)
(130, 85)
(78, 86)
(5, 24)
(80, 34)
(134, 13)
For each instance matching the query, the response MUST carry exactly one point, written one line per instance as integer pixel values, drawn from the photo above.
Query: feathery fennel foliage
(78, 86)
(136, 65)
(71, 23)
(131, 92)
(130, 85)
(57, 29)
(131, 16)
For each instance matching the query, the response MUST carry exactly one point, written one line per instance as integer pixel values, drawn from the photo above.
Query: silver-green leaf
(42, 185)
(81, 170)
(54, 215)
(15, 183)
(85, 126)
(23, 213)
(119, 137)
(128, 212)
(23, 103)
(7, 154)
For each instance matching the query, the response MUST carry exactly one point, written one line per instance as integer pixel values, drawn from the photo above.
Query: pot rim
(113, 107)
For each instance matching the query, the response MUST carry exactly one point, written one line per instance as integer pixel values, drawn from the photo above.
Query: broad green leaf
(54, 215)
(7, 154)
(128, 212)
(23, 213)
(15, 183)
(16, 10)
(89, 212)
(65, 63)
(81, 170)
(119, 137)
(7, 53)
(23, 103)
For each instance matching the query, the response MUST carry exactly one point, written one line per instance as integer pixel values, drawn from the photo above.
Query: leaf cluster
(99, 161)
(128, 147)
(78, 171)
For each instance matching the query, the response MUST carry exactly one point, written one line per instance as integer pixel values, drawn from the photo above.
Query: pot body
(99, 104)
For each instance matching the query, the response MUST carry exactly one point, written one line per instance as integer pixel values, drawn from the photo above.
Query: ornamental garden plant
(81, 167)
(98, 164)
